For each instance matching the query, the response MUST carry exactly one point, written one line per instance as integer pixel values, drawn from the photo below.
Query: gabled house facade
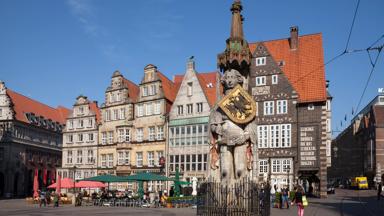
(188, 140)
(80, 140)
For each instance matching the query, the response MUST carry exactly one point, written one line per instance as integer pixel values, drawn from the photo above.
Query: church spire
(237, 54)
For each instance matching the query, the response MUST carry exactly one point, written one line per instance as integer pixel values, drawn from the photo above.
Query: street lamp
(74, 181)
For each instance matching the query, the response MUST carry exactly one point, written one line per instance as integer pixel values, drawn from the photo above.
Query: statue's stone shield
(238, 105)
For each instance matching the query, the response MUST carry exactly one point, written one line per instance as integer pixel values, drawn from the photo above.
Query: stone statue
(233, 132)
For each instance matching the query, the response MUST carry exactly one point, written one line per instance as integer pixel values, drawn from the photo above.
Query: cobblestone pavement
(343, 203)
(19, 207)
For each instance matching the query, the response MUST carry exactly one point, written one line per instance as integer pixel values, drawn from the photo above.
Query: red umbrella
(58, 188)
(89, 184)
(45, 177)
(64, 183)
(35, 184)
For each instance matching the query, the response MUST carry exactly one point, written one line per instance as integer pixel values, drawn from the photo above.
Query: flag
(345, 118)
(36, 184)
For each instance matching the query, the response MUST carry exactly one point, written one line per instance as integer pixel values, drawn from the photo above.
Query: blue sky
(54, 51)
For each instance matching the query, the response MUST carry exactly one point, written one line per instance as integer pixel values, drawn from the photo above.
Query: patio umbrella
(144, 176)
(64, 183)
(106, 178)
(89, 184)
(58, 187)
(36, 184)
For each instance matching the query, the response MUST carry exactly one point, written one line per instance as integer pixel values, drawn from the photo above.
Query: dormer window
(260, 81)
(81, 110)
(261, 61)
(311, 106)
(145, 91)
(152, 90)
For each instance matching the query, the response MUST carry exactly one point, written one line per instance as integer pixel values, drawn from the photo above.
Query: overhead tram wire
(353, 23)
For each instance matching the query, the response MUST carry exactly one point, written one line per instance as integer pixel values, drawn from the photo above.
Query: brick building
(30, 142)
(359, 149)
(286, 78)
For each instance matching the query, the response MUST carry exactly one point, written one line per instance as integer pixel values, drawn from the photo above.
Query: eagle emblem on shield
(239, 106)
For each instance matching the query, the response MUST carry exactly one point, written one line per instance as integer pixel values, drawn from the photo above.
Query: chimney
(190, 64)
(294, 39)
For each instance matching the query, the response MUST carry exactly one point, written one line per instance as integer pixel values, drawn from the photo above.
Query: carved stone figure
(232, 129)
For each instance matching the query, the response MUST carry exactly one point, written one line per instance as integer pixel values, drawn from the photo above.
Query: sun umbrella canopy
(147, 177)
(64, 183)
(89, 184)
(106, 178)
(58, 184)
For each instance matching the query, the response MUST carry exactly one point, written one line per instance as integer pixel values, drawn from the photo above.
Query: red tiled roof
(169, 88)
(303, 67)
(133, 89)
(93, 106)
(208, 84)
(23, 105)
(204, 79)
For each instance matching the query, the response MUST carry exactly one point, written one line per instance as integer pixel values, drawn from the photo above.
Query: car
(330, 189)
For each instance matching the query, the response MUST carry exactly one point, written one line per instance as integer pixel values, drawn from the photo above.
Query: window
(260, 81)
(180, 109)
(108, 115)
(79, 137)
(69, 157)
(189, 89)
(159, 155)
(145, 91)
(189, 108)
(262, 136)
(70, 138)
(199, 107)
(139, 159)
(328, 104)
(70, 124)
(269, 107)
(110, 137)
(104, 138)
(1, 112)
(79, 159)
(286, 165)
(124, 135)
(274, 136)
(328, 148)
(276, 165)
(148, 108)
(152, 90)
(90, 159)
(78, 175)
(281, 107)
(151, 158)
(90, 122)
(160, 132)
(115, 114)
(263, 166)
(81, 123)
(275, 79)
(152, 133)
(110, 160)
(157, 108)
(140, 110)
(81, 110)
(139, 134)
(311, 107)
(328, 125)
(103, 160)
(118, 96)
(90, 137)
(122, 113)
(261, 61)
(123, 158)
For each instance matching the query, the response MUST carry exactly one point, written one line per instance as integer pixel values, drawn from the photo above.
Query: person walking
(285, 193)
(43, 200)
(379, 190)
(298, 199)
